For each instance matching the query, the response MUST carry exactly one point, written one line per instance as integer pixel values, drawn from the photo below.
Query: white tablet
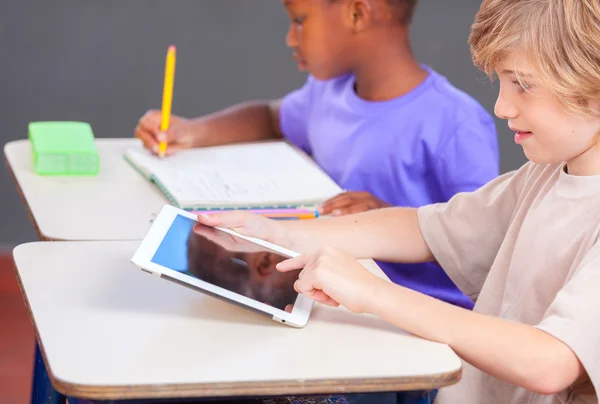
(224, 264)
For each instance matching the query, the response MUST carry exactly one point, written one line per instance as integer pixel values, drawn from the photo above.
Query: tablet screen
(229, 262)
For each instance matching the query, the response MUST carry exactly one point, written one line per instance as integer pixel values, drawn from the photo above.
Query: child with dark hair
(391, 131)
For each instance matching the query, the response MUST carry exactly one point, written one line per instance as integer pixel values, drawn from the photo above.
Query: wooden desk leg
(42, 391)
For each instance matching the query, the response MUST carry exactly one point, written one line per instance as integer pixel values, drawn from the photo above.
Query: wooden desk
(107, 331)
(117, 204)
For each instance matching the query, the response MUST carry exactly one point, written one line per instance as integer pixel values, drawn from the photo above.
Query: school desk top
(107, 330)
(116, 204)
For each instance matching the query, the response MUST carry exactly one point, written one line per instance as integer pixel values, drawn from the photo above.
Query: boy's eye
(298, 20)
(523, 86)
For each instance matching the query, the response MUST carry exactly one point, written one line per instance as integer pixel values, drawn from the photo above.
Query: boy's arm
(246, 122)
(251, 121)
(260, 120)
(391, 234)
(514, 352)
(404, 234)
(460, 231)
(364, 235)
(543, 359)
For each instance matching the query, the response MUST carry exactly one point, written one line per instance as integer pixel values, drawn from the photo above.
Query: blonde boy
(525, 247)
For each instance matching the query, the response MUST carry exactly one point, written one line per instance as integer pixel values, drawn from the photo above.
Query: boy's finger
(359, 207)
(307, 285)
(220, 238)
(293, 263)
(206, 231)
(332, 303)
(147, 139)
(172, 149)
(361, 195)
(151, 121)
(170, 135)
(152, 116)
(323, 298)
(336, 203)
(226, 219)
(305, 288)
(140, 132)
(242, 222)
(341, 197)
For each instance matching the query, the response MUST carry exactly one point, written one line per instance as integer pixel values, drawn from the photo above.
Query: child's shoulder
(435, 97)
(442, 96)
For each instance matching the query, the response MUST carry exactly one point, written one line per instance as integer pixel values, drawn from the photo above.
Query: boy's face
(321, 36)
(546, 131)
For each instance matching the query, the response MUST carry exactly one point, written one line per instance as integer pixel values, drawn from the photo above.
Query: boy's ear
(360, 14)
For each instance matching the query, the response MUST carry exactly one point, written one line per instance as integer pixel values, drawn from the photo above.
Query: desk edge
(258, 388)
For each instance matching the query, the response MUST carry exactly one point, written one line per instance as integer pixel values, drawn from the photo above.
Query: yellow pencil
(167, 96)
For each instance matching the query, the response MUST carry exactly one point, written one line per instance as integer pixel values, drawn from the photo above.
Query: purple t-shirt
(414, 150)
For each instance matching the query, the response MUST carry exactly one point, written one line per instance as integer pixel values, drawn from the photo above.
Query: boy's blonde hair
(562, 38)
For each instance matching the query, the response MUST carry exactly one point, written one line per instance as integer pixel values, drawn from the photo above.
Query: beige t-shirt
(525, 248)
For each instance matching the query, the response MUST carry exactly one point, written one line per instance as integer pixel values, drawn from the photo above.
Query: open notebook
(252, 175)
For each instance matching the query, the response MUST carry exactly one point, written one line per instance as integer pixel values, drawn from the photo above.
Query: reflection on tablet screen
(226, 261)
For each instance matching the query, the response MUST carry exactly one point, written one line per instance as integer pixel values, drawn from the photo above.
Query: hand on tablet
(334, 278)
(225, 240)
(247, 224)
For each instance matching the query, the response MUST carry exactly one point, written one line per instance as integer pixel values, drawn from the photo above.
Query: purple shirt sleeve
(294, 113)
(469, 158)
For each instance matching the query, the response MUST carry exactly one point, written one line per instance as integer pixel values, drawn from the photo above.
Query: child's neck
(388, 71)
(587, 163)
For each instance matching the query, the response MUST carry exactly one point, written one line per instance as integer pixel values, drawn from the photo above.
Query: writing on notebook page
(238, 174)
(225, 186)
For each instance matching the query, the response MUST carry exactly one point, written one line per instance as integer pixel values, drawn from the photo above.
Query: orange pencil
(290, 216)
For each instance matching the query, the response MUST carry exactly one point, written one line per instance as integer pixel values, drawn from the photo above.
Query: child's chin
(323, 77)
(318, 75)
(323, 74)
(542, 158)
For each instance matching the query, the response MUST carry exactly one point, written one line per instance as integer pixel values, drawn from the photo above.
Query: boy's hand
(334, 278)
(181, 134)
(226, 240)
(351, 202)
(247, 224)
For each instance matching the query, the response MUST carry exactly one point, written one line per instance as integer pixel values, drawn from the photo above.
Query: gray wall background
(102, 62)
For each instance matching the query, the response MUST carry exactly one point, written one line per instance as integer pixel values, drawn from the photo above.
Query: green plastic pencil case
(64, 148)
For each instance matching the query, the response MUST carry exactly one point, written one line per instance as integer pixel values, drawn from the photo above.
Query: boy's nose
(504, 109)
(291, 39)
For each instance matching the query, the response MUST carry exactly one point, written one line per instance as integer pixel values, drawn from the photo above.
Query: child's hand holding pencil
(161, 132)
(181, 134)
